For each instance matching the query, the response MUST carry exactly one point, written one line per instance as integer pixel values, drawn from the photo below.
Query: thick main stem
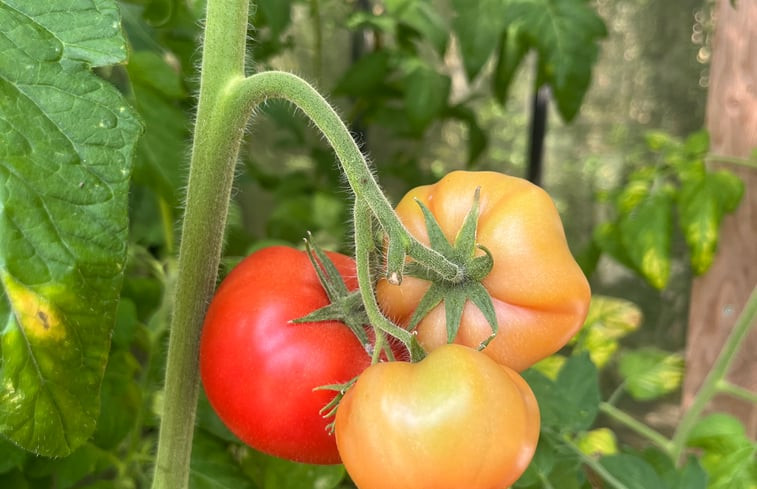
(226, 101)
(217, 137)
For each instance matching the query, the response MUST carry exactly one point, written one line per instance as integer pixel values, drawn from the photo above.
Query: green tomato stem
(226, 101)
(640, 428)
(594, 464)
(734, 390)
(733, 160)
(363, 223)
(546, 484)
(217, 137)
(712, 382)
(253, 90)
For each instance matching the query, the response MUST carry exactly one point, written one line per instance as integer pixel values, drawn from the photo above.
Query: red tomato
(455, 420)
(259, 370)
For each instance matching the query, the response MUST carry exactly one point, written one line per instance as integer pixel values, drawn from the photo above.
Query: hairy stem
(362, 219)
(255, 89)
(217, 137)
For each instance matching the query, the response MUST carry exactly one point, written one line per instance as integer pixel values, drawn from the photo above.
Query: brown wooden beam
(719, 296)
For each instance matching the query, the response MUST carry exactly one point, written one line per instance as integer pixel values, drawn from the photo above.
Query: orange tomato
(539, 293)
(457, 419)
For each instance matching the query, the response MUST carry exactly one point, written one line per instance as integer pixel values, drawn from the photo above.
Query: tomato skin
(259, 371)
(540, 295)
(457, 419)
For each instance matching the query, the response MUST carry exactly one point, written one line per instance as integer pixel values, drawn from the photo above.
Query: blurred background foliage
(422, 103)
(427, 86)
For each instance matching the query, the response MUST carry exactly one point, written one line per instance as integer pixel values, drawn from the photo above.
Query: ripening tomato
(457, 419)
(259, 370)
(540, 295)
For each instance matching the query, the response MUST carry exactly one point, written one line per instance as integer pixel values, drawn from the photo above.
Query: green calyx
(344, 306)
(455, 293)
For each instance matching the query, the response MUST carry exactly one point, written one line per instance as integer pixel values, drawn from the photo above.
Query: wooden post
(719, 296)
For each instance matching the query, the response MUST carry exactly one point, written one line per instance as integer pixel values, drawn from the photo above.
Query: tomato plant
(259, 369)
(539, 293)
(455, 419)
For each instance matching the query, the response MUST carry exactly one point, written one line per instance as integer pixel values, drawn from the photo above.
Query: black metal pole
(537, 132)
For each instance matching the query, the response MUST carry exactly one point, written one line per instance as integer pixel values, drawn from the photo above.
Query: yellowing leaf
(601, 441)
(650, 373)
(34, 313)
(608, 320)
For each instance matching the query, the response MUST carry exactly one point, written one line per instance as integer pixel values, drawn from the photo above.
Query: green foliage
(66, 162)
(565, 34)
(478, 26)
(609, 319)
(87, 294)
(728, 454)
(400, 86)
(650, 373)
(577, 444)
(670, 184)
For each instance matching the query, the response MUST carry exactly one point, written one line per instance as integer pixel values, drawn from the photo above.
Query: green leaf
(275, 473)
(571, 402)
(208, 420)
(276, 13)
(646, 234)
(633, 472)
(690, 476)
(728, 454)
(85, 30)
(550, 366)
(421, 16)
(121, 400)
(601, 441)
(68, 471)
(426, 94)
(361, 20)
(650, 373)
(608, 320)
(11, 456)
(541, 464)
(213, 467)
(566, 34)
(659, 141)
(478, 25)
(365, 76)
(65, 164)
(553, 463)
(718, 432)
(157, 95)
(14, 479)
(127, 324)
(477, 138)
(316, 211)
(513, 47)
(702, 202)
(159, 12)
(608, 239)
(697, 144)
